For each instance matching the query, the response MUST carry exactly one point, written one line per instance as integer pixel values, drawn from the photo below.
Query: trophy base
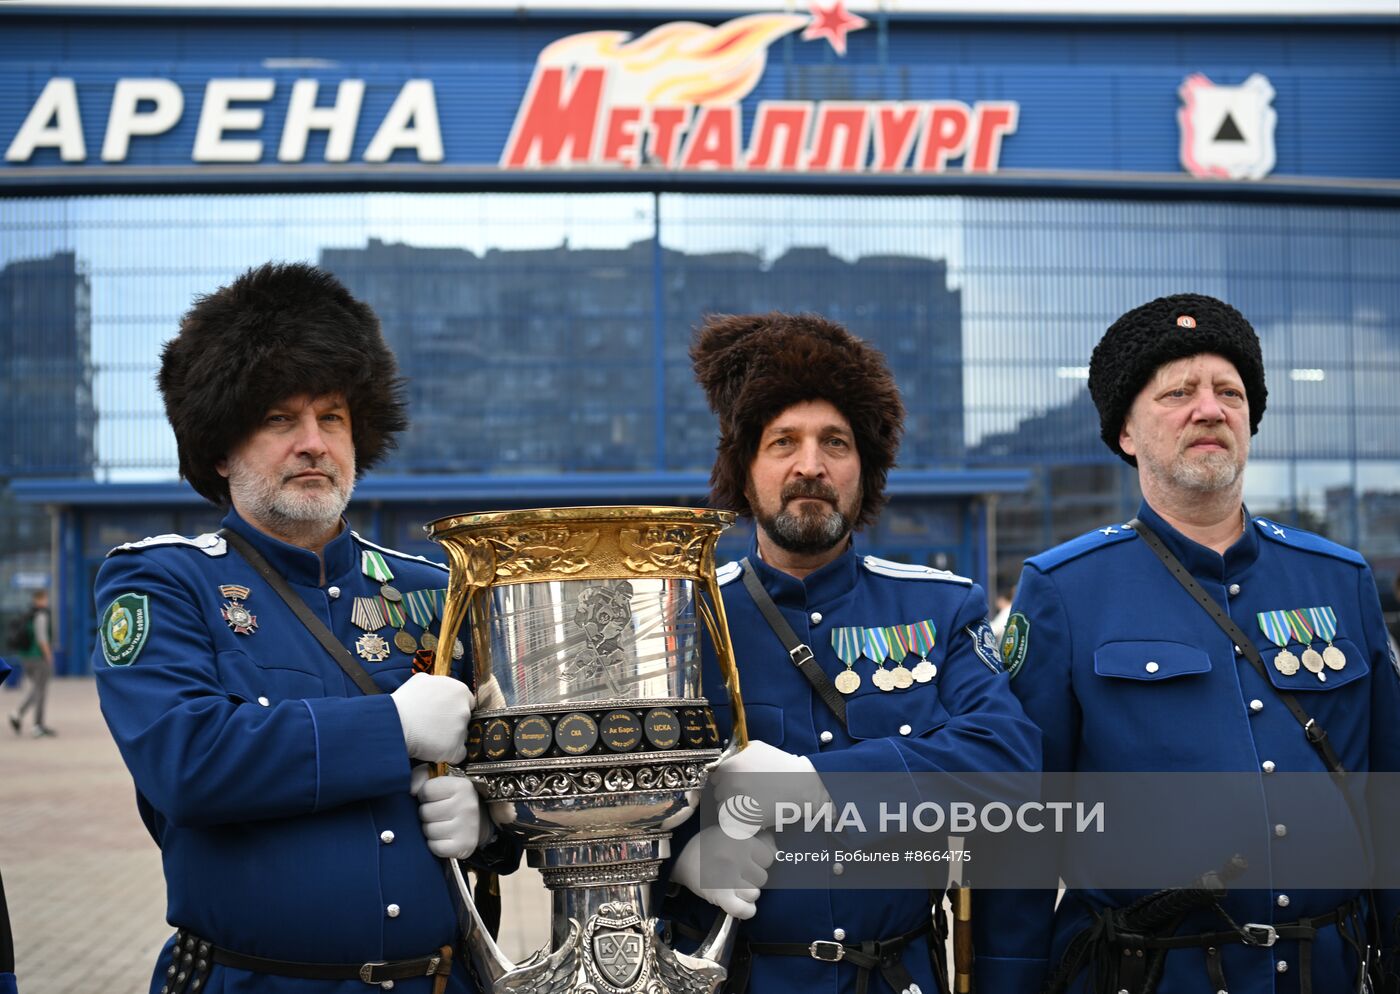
(618, 951)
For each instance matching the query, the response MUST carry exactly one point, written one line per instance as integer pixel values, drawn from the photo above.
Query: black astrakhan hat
(753, 367)
(278, 331)
(1170, 328)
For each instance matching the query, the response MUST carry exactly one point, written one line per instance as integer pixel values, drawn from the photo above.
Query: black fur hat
(279, 330)
(753, 367)
(1162, 331)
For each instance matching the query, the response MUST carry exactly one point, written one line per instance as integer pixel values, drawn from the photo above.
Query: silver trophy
(591, 737)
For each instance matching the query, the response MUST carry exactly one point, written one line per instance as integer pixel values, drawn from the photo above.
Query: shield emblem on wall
(1227, 132)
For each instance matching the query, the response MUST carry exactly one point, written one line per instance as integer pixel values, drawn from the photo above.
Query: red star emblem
(833, 23)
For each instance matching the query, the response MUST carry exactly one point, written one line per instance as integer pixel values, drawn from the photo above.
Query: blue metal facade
(543, 318)
(1097, 98)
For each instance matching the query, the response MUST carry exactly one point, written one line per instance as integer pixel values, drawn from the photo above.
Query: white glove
(768, 775)
(714, 858)
(450, 812)
(434, 711)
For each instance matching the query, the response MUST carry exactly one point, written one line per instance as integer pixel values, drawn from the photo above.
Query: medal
(1302, 631)
(903, 679)
(390, 594)
(847, 648)
(458, 649)
(405, 642)
(1276, 630)
(1324, 621)
(876, 647)
(372, 648)
(847, 681)
(920, 637)
(429, 641)
(236, 614)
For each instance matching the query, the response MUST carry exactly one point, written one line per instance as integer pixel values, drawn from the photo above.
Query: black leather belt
(193, 956)
(1138, 973)
(884, 955)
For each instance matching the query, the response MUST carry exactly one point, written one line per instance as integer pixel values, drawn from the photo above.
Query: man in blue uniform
(301, 845)
(901, 677)
(1125, 669)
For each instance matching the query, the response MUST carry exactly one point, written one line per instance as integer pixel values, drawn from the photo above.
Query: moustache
(327, 468)
(810, 489)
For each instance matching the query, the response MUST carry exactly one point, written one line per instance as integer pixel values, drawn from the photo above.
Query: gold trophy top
(581, 543)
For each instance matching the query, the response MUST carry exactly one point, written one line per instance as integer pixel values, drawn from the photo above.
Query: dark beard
(805, 534)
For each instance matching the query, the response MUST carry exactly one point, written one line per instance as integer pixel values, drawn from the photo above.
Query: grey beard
(1216, 471)
(283, 511)
(806, 534)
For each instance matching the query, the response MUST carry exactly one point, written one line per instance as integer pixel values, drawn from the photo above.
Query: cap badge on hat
(1186, 321)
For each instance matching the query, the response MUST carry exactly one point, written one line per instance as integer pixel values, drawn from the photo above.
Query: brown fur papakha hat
(1159, 332)
(278, 331)
(753, 367)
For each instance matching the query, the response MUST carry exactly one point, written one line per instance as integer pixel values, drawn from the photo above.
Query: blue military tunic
(1086, 616)
(276, 790)
(964, 719)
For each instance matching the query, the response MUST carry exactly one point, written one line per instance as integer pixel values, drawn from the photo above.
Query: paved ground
(82, 877)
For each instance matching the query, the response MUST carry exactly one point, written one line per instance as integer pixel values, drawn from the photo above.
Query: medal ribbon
(1298, 625)
(420, 607)
(372, 564)
(846, 644)
(877, 646)
(1324, 622)
(921, 635)
(1273, 626)
(898, 647)
(234, 592)
(394, 612)
(368, 613)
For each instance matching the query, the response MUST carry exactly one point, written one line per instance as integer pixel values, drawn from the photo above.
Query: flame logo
(679, 63)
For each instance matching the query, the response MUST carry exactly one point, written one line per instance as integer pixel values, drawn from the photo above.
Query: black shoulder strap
(798, 651)
(313, 624)
(1315, 733)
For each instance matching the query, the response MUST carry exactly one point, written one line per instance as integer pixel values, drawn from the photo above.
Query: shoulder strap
(798, 651)
(313, 624)
(1315, 733)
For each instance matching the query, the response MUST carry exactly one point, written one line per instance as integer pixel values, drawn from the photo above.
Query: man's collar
(298, 565)
(1200, 559)
(821, 586)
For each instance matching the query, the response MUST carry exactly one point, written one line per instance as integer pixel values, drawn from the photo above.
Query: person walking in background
(35, 652)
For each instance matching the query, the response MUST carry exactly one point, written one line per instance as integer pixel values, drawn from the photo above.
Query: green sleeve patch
(125, 626)
(1014, 642)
